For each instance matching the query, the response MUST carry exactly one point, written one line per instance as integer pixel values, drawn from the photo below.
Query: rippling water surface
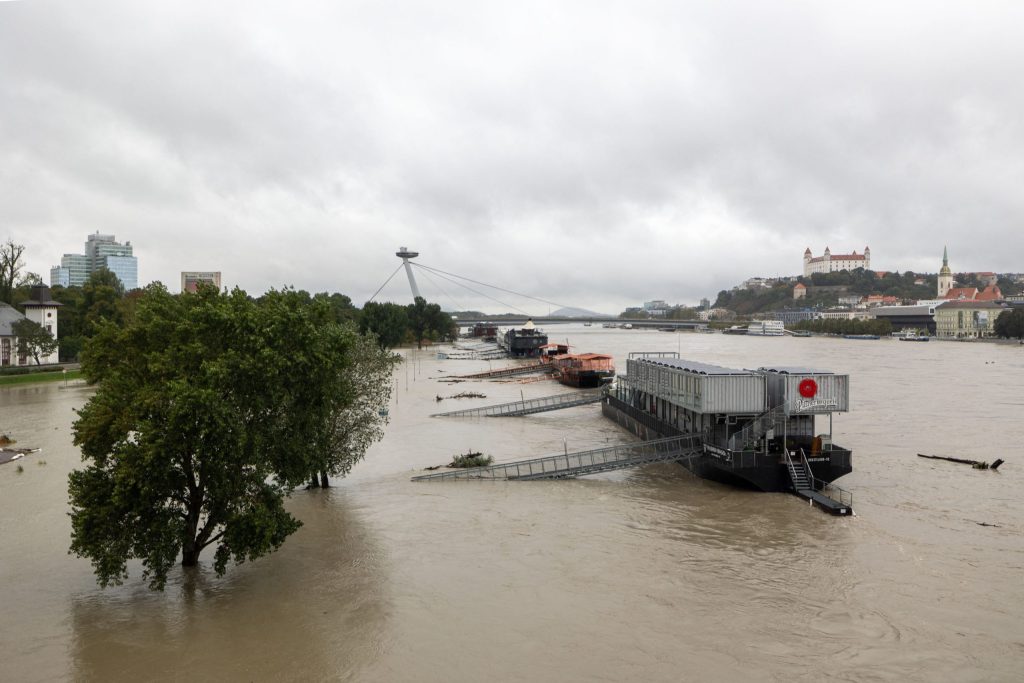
(648, 574)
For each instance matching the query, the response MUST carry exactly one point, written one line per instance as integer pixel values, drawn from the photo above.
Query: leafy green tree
(101, 295)
(1010, 324)
(388, 322)
(359, 414)
(341, 307)
(428, 321)
(201, 424)
(33, 339)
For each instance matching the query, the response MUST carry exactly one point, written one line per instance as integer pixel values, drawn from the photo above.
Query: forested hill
(825, 289)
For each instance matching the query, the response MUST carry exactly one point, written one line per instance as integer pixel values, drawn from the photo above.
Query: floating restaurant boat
(525, 342)
(735, 329)
(758, 427)
(861, 336)
(910, 335)
(766, 328)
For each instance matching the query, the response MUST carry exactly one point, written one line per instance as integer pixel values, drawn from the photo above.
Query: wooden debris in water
(976, 464)
(464, 394)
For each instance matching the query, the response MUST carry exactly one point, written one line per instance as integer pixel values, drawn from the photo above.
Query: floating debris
(464, 394)
(471, 459)
(976, 464)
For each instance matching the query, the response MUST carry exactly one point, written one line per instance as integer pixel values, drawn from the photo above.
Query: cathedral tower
(945, 275)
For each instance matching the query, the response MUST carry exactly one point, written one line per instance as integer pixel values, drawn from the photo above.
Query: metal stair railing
(801, 478)
(580, 463)
(840, 495)
(758, 427)
(530, 406)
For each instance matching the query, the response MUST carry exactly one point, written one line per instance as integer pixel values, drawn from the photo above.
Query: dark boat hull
(588, 379)
(760, 472)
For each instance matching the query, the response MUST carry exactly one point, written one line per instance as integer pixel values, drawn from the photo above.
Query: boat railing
(646, 419)
(836, 493)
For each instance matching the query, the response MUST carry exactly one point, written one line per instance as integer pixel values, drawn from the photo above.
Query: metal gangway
(583, 462)
(530, 406)
(514, 370)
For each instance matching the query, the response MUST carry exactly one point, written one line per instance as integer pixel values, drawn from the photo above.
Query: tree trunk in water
(324, 482)
(190, 556)
(313, 482)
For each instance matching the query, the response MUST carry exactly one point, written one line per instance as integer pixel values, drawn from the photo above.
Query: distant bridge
(551, 320)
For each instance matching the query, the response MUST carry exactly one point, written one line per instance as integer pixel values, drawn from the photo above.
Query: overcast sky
(597, 154)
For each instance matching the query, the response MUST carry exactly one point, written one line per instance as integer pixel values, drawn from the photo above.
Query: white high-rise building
(101, 251)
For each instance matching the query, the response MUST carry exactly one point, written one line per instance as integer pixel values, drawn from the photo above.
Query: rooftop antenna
(405, 255)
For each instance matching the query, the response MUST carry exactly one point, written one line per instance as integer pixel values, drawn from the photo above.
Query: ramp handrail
(533, 405)
(582, 462)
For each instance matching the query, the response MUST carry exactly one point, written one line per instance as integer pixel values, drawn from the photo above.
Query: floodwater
(649, 574)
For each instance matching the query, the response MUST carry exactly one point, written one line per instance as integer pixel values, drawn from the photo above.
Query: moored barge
(526, 342)
(584, 370)
(760, 428)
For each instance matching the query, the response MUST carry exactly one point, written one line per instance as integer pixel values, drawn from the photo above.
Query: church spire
(945, 279)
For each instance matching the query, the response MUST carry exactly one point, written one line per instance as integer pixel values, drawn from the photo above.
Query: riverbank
(38, 377)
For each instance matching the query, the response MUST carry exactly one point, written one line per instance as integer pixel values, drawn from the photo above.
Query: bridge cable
(509, 291)
(433, 282)
(478, 293)
(385, 283)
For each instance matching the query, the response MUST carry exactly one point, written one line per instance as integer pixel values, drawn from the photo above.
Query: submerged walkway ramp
(514, 370)
(533, 405)
(583, 462)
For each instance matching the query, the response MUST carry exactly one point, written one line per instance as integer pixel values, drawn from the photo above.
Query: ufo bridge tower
(405, 255)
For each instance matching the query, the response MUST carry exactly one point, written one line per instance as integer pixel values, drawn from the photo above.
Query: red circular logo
(808, 388)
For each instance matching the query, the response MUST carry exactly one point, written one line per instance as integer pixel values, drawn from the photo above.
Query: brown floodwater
(648, 574)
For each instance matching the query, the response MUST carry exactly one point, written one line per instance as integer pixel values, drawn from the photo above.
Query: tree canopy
(210, 408)
(1010, 324)
(33, 339)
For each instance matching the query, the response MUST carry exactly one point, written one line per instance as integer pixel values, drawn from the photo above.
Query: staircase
(758, 427)
(799, 474)
(829, 497)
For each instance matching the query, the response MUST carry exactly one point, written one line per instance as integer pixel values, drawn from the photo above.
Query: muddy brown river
(641, 575)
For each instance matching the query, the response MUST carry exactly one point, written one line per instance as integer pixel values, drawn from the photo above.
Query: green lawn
(40, 377)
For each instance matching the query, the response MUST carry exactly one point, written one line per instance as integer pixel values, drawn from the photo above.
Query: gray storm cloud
(597, 154)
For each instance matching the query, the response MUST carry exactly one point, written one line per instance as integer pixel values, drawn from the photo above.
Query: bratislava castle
(831, 263)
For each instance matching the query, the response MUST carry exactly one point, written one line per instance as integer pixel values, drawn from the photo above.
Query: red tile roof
(991, 293)
(969, 293)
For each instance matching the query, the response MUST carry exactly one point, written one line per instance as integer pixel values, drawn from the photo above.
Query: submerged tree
(208, 412)
(359, 414)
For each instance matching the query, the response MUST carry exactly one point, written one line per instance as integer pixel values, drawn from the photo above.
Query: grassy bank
(37, 377)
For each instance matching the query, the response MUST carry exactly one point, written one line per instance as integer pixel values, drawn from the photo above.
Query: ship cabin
(525, 342)
(750, 420)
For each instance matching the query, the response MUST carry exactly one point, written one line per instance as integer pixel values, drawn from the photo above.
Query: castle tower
(945, 275)
(867, 258)
(405, 255)
(40, 308)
